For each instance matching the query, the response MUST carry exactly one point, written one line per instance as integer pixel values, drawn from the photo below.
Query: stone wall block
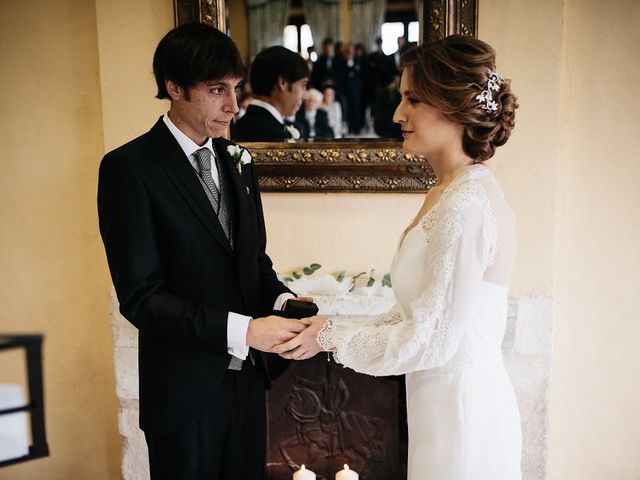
(123, 332)
(534, 325)
(126, 364)
(530, 377)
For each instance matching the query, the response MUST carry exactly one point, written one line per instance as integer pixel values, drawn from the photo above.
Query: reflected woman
(450, 275)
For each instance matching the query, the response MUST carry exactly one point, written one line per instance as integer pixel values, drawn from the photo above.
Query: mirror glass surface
(353, 84)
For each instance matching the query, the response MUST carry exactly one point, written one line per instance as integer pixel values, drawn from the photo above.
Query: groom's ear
(174, 90)
(281, 84)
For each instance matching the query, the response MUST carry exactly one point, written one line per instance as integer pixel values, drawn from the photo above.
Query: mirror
(354, 165)
(352, 91)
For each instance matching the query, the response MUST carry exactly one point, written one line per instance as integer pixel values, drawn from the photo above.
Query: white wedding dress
(445, 332)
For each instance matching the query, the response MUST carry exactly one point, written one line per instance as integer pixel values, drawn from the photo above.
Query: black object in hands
(298, 309)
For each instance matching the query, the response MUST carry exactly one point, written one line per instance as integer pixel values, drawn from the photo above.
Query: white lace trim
(324, 336)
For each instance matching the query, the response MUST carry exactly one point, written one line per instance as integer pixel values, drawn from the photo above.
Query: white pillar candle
(304, 474)
(347, 474)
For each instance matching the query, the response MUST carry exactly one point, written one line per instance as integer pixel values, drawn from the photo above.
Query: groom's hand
(305, 299)
(266, 332)
(304, 345)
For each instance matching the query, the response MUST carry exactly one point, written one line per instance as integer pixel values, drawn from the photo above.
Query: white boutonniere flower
(240, 155)
(293, 131)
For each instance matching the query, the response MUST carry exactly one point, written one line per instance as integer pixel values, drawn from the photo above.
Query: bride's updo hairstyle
(457, 76)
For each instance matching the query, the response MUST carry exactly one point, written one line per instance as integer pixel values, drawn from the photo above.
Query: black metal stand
(33, 350)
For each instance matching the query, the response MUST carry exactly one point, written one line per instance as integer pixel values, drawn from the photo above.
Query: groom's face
(206, 110)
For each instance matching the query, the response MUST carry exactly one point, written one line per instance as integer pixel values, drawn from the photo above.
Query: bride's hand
(304, 345)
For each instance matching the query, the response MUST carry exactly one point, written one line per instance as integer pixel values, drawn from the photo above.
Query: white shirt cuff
(279, 303)
(237, 326)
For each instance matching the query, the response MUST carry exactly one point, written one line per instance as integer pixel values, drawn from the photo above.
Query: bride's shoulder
(469, 187)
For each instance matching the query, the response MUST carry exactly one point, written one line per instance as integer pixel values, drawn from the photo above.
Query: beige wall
(527, 164)
(595, 416)
(128, 32)
(356, 232)
(53, 277)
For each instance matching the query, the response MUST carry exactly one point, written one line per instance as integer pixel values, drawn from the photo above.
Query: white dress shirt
(237, 324)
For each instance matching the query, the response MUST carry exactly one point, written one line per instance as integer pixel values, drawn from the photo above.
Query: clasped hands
(291, 339)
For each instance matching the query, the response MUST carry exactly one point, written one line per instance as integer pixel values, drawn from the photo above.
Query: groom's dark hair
(272, 63)
(192, 53)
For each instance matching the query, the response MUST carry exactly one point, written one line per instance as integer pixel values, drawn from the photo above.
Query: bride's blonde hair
(449, 74)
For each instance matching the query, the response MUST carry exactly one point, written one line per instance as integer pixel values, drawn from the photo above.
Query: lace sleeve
(461, 243)
(334, 325)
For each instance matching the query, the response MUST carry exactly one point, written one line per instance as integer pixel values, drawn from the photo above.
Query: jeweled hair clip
(486, 96)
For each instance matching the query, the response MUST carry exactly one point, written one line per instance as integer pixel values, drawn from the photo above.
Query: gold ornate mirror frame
(344, 166)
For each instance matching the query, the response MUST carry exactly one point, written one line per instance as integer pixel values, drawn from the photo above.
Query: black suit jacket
(322, 76)
(175, 273)
(321, 128)
(258, 125)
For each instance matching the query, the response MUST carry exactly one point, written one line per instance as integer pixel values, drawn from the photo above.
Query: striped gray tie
(203, 158)
(214, 194)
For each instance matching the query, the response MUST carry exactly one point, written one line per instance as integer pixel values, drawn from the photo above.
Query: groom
(182, 224)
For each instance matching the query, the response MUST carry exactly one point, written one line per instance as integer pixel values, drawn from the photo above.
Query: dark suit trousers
(227, 442)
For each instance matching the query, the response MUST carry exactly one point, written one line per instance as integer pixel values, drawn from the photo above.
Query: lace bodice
(449, 275)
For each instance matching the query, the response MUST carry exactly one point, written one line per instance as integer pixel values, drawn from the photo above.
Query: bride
(450, 275)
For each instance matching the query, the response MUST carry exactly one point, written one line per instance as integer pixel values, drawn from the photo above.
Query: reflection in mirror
(351, 55)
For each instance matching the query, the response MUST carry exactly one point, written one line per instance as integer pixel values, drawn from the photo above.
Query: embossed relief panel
(323, 415)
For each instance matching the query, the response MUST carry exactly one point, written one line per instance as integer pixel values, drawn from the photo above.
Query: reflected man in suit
(184, 234)
(279, 80)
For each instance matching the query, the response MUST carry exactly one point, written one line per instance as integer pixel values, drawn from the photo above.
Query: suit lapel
(173, 161)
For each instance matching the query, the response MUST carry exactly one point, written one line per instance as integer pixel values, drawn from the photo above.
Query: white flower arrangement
(293, 131)
(340, 284)
(240, 155)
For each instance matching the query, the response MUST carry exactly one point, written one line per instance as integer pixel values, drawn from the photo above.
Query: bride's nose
(399, 115)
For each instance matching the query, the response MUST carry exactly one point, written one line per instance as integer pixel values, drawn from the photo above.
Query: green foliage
(311, 268)
(355, 279)
(314, 267)
(371, 280)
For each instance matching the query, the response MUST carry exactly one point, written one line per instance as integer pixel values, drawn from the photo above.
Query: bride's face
(425, 129)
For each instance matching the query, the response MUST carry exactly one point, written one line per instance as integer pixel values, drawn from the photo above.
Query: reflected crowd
(351, 93)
